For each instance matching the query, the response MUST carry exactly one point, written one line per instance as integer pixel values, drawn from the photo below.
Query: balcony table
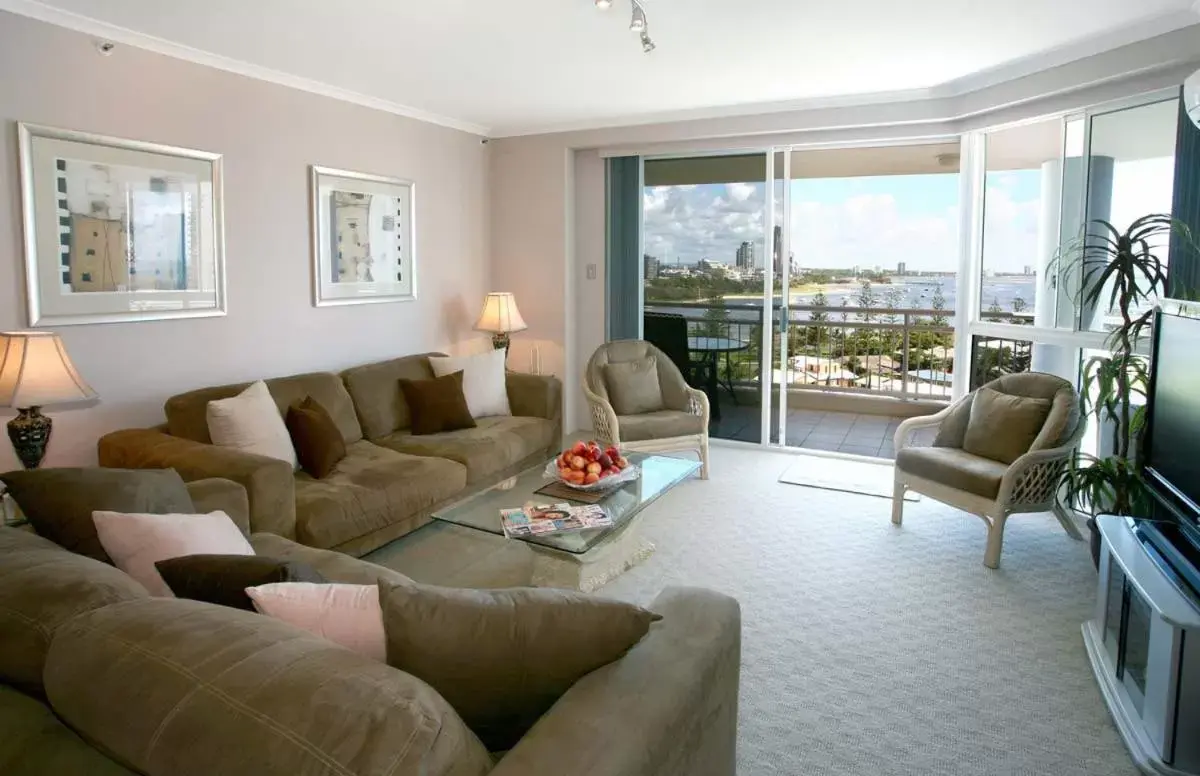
(712, 348)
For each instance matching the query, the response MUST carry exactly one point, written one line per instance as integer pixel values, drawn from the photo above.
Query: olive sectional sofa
(98, 678)
(390, 480)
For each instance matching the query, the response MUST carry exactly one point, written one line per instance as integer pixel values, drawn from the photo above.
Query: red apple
(579, 449)
(591, 478)
(594, 468)
(578, 463)
(605, 460)
(621, 462)
(611, 471)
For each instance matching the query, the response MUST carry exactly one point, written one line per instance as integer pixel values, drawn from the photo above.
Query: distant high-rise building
(650, 267)
(1028, 270)
(745, 256)
(902, 268)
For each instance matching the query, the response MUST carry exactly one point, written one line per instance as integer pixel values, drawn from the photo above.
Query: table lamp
(36, 371)
(501, 317)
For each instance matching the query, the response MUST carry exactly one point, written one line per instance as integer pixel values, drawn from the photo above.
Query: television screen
(1173, 435)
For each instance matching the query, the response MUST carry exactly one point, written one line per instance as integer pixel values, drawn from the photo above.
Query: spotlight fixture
(638, 22)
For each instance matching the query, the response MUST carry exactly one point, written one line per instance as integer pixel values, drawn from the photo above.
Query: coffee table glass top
(658, 474)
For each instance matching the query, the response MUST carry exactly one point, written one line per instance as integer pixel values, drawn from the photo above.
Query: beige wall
(268, 135)
(539, 245)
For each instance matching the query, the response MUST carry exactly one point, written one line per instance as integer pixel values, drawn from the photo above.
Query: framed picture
(364, 238)
(119, 230)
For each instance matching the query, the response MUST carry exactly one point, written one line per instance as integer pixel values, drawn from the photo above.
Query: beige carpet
(873, 650)
(867, 478)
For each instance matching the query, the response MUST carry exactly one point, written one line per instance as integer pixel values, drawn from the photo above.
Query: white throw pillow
(484, 382)
(135, 542)
(344, 614)
(251, 422)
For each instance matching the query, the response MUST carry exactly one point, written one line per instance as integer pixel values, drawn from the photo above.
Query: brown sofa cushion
(183, 688)
(381, 407)
(955, 468)
(1003, 427)
(497, 444)
(59, 502)
(36, 742)
(372, 488)
(503, 657)
(318, 442)
(186, 413)
(43, 586)
(223, 579)
(334, 566)
(437, 404)
(633, 386)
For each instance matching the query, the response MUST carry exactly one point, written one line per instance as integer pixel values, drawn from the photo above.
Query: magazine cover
(546, 519)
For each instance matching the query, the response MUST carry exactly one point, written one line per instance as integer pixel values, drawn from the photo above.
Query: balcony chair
(669, 333)
(640, 401)
(998, 450)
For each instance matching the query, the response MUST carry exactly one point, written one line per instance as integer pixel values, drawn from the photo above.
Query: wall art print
(119, 230)
(363, 233)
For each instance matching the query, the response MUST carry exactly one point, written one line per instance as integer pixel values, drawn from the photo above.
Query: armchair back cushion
(187, 412)
(1060, 424)
(633, 386)
(1002, 427)
(375, 388)
(670, 380)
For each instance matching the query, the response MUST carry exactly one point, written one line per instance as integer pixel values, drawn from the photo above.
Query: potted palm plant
(1125, 266)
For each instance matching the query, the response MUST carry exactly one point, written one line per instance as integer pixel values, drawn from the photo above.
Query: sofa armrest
(227, 496)
(667, 708)
(270, 484)
(535, 396)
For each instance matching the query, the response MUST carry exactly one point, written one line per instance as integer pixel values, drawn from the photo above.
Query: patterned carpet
(869, 649)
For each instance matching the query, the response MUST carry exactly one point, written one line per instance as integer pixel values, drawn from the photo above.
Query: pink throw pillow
(348, 615)
(136, 542)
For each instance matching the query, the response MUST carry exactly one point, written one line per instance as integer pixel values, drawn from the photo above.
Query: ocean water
(915, 293)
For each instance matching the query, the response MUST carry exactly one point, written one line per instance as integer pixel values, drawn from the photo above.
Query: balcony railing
(899, 352)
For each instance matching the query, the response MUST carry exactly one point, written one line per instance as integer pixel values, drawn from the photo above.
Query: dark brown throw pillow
(59, 502)
(318, 442)
(438, 404)
(502, 658)
(223, 579)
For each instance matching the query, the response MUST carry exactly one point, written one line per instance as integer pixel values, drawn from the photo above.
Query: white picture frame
(119, 230)
(363, 238)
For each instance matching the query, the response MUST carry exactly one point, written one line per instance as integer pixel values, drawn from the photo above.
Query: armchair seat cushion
(659, 425)
(494, 445)
(953, 468)
(371, 488)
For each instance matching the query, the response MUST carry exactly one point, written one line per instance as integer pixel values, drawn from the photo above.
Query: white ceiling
(523, 66)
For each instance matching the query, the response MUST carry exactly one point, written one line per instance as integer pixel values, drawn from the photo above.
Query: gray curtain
(623, 271)
(1183, 268)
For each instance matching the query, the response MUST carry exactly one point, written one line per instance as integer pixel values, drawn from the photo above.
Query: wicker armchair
(992, 489)
(676, 419)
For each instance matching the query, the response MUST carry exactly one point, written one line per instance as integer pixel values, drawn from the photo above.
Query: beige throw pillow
(503, 657)
(484, 382)
(251, 422)
(633, 386)
(1002, 426)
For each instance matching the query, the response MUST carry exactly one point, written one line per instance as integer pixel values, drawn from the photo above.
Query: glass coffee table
(583, 560)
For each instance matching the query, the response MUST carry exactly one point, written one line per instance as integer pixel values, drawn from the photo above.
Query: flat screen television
(1171, 446)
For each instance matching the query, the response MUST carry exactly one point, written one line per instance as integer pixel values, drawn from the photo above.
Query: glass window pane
(1131, 175)
(1022, 208)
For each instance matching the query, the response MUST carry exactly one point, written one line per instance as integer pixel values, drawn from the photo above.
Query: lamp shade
(500, 314)
(1191, 97)
(35, 371)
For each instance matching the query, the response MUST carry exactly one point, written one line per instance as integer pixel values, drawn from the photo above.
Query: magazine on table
(546, 519)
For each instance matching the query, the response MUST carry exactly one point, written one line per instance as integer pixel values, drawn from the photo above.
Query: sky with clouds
(878, 221)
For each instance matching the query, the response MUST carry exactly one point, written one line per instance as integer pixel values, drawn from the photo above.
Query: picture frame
(363, 238)
(119, 230)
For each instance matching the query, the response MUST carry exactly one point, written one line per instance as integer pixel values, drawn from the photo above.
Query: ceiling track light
(637, 23)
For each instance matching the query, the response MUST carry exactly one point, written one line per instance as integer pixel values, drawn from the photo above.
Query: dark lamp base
(29, 432)
(500, 341)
